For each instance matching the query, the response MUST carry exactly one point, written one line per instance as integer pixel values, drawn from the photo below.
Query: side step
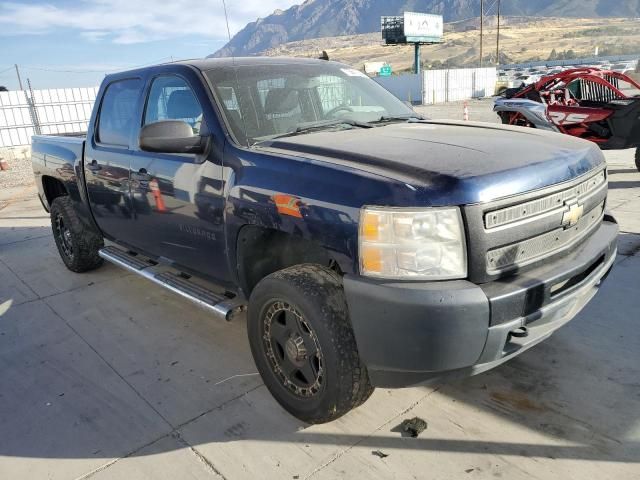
(220, 305)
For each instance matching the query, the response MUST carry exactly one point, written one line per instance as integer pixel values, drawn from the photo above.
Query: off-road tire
(83, 239)
(638, 158)
(316, 293)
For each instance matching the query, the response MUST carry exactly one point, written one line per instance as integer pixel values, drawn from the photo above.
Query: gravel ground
(20, 172)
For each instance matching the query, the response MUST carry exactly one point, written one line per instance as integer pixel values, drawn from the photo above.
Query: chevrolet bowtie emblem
(573, 215)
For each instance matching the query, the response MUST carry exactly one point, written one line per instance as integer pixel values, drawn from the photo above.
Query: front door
(178, 199)
(108, 156)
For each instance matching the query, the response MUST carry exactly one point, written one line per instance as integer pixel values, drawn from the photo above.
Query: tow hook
(521, 332)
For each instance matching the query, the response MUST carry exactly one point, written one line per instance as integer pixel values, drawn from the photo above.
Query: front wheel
(304, 346)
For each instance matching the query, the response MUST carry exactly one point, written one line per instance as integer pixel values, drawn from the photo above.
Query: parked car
(623, 68)
(371, 246)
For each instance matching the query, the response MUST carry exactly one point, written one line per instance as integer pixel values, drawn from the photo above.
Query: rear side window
(118, 111)
(171, 98)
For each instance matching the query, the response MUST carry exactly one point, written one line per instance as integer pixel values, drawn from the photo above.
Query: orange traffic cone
(157, 196)
(465, 112)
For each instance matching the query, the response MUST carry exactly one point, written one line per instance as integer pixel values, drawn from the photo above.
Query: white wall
(441, 86)
(61, 110)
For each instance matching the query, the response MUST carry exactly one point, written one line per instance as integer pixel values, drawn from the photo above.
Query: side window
(171, 98)
(117, 113)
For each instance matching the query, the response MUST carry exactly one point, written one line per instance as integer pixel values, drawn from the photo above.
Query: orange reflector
(370, 226)
(371, 259)
(287, 205)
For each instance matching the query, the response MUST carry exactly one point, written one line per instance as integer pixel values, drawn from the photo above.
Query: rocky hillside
(521, 40)
(329, 18)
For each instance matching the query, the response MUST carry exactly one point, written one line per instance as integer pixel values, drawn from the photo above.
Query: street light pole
(498, 38)
(481, 29)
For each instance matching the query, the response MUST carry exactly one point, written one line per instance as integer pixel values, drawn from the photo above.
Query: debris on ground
(413, 427)
(380, 454)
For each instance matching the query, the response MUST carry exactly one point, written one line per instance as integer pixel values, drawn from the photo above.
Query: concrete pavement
(104, 375)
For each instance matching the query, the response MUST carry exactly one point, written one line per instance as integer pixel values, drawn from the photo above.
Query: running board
(220, 305)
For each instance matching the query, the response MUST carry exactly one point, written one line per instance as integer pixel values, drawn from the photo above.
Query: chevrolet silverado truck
(371, 247)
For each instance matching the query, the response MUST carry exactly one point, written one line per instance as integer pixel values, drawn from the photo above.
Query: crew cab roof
(206, 64)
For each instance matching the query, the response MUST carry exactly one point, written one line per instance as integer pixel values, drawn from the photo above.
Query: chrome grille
(516, 233)
(540, 206)
(530, 250)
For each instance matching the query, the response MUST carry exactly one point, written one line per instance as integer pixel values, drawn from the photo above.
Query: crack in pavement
(175, 433)
(343, 452)
(106, 362)
(24, 240)
(207, 463)
(174, 430)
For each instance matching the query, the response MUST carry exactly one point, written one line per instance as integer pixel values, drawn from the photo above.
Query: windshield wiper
(302, 129)
(397, 118)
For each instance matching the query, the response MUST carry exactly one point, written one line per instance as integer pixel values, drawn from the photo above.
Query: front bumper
(412, 332)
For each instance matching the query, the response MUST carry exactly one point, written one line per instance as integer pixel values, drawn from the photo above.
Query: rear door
(178, 198)
(108, 156)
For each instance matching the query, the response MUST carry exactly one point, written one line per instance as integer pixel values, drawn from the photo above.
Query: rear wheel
(304, 346)
(638, 158)
(77, 243)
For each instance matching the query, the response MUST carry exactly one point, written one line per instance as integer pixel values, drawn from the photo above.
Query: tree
(553, 55)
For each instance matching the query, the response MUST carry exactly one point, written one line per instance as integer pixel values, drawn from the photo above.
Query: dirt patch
(517, 400)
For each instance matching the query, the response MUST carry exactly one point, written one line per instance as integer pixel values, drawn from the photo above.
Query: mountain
(329, 18)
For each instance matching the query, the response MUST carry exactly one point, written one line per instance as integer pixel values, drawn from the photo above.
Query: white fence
(54, 111)
(441, 86)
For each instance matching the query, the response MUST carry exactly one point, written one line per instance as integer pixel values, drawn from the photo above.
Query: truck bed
(52, 152)
(56, 157)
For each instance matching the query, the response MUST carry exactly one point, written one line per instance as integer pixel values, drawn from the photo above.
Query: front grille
(528, 251)
(543, 205)
(522, 231)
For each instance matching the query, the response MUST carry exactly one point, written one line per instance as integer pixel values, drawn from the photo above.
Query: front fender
(309, 199)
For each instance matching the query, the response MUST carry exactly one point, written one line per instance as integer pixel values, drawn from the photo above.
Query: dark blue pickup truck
(371, 246)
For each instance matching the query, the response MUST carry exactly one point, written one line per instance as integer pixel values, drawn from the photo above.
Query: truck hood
(451, 163)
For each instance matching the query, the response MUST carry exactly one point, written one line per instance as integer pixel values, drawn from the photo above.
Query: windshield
(261, 102)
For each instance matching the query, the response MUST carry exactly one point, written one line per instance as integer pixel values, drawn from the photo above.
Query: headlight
(402, 243)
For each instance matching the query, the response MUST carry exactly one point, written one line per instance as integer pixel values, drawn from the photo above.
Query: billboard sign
(423, 27)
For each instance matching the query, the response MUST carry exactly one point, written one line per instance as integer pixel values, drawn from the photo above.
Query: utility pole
(481, 29)
(18, 74)
(498, 38)
(32, 109)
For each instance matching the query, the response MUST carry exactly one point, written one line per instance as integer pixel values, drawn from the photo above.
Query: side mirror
(170, 136)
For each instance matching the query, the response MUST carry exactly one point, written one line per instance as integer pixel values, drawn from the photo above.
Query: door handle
(141, 175)
(93, 166)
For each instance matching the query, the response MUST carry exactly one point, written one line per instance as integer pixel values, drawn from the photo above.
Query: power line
(487, 10)
(25, 67)
(124, 67)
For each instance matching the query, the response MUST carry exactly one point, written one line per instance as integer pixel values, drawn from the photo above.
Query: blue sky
(74, 43)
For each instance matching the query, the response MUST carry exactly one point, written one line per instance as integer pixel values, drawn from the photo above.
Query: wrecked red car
(598, 105)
